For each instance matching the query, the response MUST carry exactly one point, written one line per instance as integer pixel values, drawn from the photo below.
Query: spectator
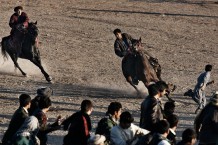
(44, 127)
(188, 137)
(112, 119)
(26, 135)
(173, 121)
(126, 133)
(41, 94)
(162, 131)
(79, 125)
(206, 123)
(169, 108)
(97, 139)
(18, 118)
(151, 110)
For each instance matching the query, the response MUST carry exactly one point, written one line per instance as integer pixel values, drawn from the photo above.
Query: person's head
(115, 109)
(162, 87)
(96, 139)
(162, 127)
(126, 119)
(44, 103)
(214, 98)
(153, 90)
(173, 120)
(208, 67)
(189, 136)
(118, 33)
(45, 92)
(86, 106)
(169, 107)
(18, 10)
(25, 100)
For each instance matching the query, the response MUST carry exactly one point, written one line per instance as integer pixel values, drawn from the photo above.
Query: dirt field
(76, 44)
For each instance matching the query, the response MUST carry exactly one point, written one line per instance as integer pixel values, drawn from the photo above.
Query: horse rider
(19, 17)
(122, 47)
(19, 20)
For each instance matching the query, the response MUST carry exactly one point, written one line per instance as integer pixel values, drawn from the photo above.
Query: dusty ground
(76, 44)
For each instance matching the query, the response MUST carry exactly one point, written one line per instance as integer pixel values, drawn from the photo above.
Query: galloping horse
(23, 44)
(136, 63)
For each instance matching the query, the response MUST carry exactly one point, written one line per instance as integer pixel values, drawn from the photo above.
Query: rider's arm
(117, 49)
(12, 20)
(26, 19)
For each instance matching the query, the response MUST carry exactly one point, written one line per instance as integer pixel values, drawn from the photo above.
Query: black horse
(23, 44)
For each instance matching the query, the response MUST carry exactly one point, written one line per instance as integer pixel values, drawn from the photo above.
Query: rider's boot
(135, 80)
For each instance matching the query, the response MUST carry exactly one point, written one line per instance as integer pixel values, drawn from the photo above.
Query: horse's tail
(4, 52)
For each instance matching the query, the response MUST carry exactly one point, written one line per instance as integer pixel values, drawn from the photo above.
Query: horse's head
(137, 45)
(33, 31)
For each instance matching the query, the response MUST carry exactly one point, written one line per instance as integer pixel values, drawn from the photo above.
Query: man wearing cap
(44, 92)
(206, 123)
(19, 17)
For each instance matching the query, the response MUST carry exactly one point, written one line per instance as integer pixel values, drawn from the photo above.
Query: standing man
(151, 109)
(18, 118)
(79, 125)
(199, 93)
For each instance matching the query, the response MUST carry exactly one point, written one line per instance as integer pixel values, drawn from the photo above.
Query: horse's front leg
(14, 59)
(129, 80)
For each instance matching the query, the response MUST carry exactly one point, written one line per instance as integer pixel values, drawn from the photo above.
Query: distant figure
(18, 118)
(161, 133)
(26, 135)
(199, 94)
(41, 94)
(126, 133)
(79, 125)
(110, 120)
(188, 137)
(206, 123)
(96, 139)
(151, 109)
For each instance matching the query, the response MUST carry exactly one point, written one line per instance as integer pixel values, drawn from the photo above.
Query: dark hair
(117, 31)
(173, 120)
(153, 90)
(86, 105)
(44, 102)
(113, 107)
(169, 107)
(208, 67)
(161, 86)
(24, 99)
(18, 8)
(126, 117)
(188, 134)
(162, 126)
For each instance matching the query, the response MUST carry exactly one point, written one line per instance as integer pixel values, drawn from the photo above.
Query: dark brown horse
(136, 63)
(23, 44)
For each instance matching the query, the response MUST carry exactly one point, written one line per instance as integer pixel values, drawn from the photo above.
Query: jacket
(78, 126)
(151, 112)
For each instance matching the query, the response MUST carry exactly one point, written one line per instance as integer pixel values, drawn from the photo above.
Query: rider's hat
(18, 8)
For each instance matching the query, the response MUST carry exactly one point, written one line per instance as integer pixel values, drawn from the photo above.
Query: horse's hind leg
(38, 63)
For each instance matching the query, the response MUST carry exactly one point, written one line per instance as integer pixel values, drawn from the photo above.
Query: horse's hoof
(25, 75)
(49, 79)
